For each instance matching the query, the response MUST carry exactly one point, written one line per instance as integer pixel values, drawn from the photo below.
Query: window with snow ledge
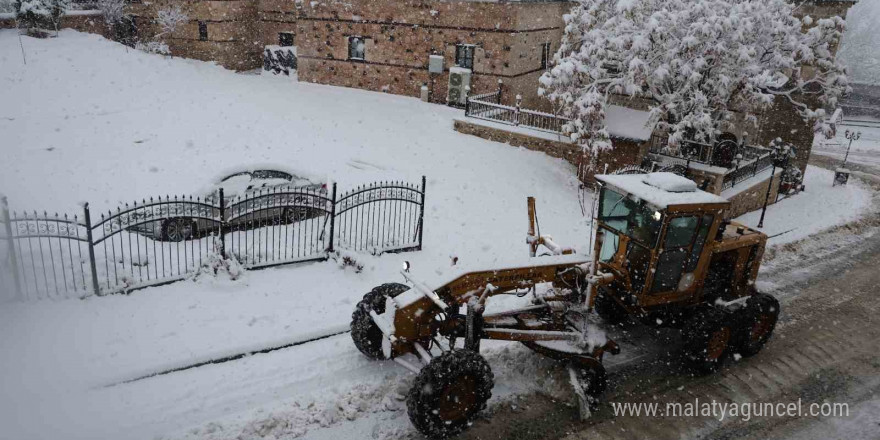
(357, 48)
(285, 39)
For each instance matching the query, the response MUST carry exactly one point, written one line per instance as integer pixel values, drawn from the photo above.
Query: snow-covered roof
(635, 185)
(670, 182)
(628, 123)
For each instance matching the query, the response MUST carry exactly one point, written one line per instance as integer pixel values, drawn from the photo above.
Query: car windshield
(271, 175)
(635, 219)
(239, 183)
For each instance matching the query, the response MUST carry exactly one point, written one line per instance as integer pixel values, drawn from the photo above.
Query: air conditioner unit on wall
(459, 81)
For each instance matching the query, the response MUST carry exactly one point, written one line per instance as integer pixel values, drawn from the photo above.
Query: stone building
(378, 45)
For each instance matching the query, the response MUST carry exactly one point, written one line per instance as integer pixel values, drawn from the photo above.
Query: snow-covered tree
(32, 13)
(112, 11)
(695, 62)
(169, 19)
(36, 14)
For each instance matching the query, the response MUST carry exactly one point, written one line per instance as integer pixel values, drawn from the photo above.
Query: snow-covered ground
(90, 120)
(819, 207)
(865, 150)
(87, 119)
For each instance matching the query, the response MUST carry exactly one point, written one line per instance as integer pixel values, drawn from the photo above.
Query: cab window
(610, 243)
(685, 237)
(635, 219)
(700, 241)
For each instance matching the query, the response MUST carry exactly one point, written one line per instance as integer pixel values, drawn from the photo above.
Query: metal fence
(746, 170)
(161, 240)
(480, 107)
(746, 161)
(690, 150)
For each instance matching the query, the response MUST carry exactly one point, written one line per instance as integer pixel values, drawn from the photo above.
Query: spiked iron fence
(161, 240)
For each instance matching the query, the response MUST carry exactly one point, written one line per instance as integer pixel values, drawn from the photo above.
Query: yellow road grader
(663, 255)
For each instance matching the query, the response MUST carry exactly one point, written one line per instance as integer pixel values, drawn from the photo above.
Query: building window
(285, 39)
(464, 56)
(545, 56)
(203, 31)
(357, 48)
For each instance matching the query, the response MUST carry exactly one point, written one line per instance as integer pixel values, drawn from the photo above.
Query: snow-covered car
(253, 198)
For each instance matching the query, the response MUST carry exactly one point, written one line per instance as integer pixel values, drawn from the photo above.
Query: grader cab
(663, 255)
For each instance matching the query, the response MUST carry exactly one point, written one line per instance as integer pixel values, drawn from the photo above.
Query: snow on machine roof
(660, 189)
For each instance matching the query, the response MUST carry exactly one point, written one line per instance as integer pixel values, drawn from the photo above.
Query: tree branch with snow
(696, 62)
(169, 19)
(112, 11)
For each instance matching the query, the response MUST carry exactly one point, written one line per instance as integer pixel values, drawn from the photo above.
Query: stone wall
(231, 24)
(83, 21)
(753, 198)
(625, 153)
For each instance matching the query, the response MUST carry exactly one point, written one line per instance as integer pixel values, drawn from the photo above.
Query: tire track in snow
(233, 357)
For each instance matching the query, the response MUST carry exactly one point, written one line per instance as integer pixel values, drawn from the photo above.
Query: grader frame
(396, 320)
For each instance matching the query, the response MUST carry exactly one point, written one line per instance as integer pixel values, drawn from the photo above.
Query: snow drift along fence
(161, 240)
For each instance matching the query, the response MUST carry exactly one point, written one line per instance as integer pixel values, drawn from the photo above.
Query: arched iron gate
(165, 239)
(45, 255)
(381, 217)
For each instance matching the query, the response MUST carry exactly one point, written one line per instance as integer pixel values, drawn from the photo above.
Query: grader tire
(593, 379)
(449, 393)
(609, 310)
(756, 324)
(365, 333)
(707, 338)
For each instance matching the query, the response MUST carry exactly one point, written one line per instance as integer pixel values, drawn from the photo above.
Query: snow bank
(628, 123)
(819, 207)
(670, 182)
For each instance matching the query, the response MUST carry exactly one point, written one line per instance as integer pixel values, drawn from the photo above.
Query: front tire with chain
(449, 393)
(365, 333)
(707, 338)
(609, 310)
(756, 324)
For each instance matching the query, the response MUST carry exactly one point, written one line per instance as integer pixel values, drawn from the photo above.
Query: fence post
(500, 88)
(222, 224)
(92, 265)
(11, 243)
(422, 215)
(332, 218)
(518, 108)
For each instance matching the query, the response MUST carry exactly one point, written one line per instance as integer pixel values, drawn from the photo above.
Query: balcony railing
(483, 107)
(741, 161)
